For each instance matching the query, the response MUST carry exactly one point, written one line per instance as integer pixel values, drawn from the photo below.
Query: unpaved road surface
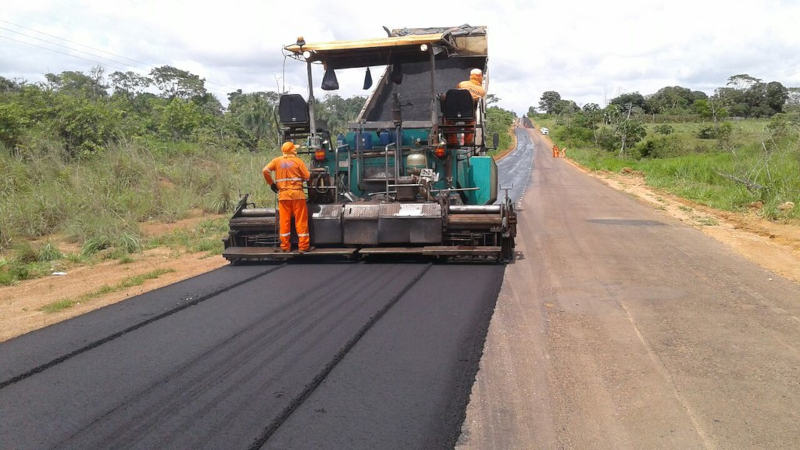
(620, 327)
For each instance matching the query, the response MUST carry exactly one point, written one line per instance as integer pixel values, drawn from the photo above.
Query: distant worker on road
(290, 172)
(474, 85)
(555, 151)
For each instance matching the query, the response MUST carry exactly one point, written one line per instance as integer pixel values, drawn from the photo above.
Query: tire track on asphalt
(161, 401)
(320, 377)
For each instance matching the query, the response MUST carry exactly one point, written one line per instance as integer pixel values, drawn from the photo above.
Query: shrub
(25, 253)
(661, 147)
(606, 139)
(664, 129)
(784, 125)
(86, 127)
(721, 131)
(12, 124)
(179, 119)
(574, 135)
(49, 252)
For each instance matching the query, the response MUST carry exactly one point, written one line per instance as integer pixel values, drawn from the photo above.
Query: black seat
(458, 105)
(293, 111)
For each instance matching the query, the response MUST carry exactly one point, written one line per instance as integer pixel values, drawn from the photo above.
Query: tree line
(743, 96)
(85, 112)
(620, 125)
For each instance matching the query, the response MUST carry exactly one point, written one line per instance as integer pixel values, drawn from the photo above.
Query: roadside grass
(133, 281)
(98, 202)
(28, 261)
(205, 237)
(696, 168)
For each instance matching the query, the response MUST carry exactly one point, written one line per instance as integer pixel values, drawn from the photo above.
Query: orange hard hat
(288, 147)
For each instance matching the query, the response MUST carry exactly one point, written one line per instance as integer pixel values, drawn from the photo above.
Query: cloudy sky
(589, 51)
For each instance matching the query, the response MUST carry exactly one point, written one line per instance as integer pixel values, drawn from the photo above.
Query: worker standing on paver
(474, 85)
(290, 172)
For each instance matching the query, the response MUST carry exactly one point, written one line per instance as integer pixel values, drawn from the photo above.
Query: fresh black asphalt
(389, 344)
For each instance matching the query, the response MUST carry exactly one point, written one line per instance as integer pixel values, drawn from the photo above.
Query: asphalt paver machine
(411, 176)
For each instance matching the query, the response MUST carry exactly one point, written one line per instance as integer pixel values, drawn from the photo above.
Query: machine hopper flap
(367, 79)
(329, 81)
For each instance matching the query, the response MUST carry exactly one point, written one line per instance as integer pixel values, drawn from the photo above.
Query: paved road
(619, 327)
(357, 356)
(515, 169)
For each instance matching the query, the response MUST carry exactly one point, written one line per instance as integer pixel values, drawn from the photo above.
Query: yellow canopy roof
(395, 41)
(371, 52)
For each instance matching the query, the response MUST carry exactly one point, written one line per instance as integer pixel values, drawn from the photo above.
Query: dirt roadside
(619, 327)
(21, 305)
(774, 246)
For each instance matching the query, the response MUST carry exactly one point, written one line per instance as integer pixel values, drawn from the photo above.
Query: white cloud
(588, 51)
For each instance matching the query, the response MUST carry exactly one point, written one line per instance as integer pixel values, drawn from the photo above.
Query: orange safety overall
(290, 172)
(555, 151)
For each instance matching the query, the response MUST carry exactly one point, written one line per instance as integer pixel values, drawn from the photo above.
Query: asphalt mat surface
(514, 170)
(401, 342)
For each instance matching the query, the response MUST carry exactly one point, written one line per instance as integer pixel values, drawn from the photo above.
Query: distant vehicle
(545, 130)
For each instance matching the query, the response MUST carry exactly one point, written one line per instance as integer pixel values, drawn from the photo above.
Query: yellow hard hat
(288, 147)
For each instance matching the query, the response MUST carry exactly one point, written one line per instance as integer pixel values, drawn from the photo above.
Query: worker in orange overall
(290, 172)
(474, 85)
(555, 151)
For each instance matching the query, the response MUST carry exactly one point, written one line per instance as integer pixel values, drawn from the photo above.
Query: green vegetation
(736, 148)
(499, 120)
(750, 163)
(136, 280)
(203, 238)
(30, 261)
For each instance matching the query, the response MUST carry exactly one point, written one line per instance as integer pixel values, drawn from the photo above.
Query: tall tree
(633, 98)
(549, 102)
(776, 96)
(78, 83)
(742, 81)
(129, 83)
(255, 112)
(174, 82)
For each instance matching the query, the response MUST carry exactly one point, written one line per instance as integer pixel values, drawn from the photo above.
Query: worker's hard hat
(288, 147)
(475, 72)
